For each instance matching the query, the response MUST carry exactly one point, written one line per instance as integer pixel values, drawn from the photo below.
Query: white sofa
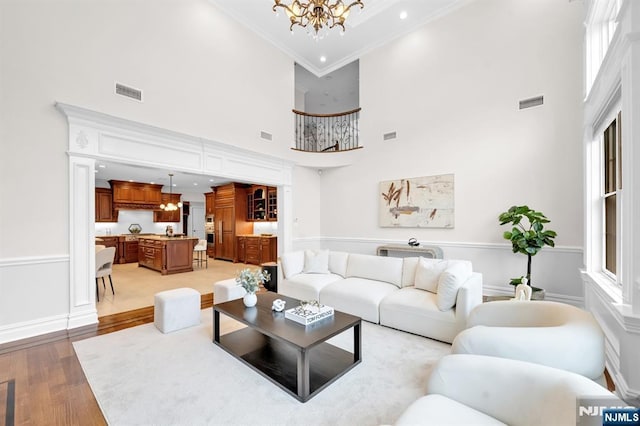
(483, 390)
(386, 290)
(548, 333)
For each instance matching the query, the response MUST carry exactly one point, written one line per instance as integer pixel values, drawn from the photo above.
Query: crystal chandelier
(170, 207)
(320, 14)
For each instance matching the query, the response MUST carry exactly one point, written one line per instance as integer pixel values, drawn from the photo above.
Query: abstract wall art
(422, 202)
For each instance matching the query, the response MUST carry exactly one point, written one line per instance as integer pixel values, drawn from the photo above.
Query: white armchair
(548, 333)
(483, 390)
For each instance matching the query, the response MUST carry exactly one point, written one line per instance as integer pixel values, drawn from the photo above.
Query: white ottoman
(176, 309)
(226, 290)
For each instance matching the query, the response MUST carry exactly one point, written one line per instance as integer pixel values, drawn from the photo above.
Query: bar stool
(200, 249)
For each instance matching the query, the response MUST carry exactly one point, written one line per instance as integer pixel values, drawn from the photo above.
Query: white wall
(201, 74)
(450, 90)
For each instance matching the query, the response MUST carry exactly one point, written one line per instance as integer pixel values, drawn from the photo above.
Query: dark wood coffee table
(293, 356)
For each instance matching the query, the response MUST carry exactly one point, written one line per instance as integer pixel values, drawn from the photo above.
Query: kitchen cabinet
(166, 255)
(230, 219)
(136, 195)
(242, 249)
(257, 249)
(164, 216)
(104, 206)
(210, 203)
(262, 203)
(272, 204)
(130, 251)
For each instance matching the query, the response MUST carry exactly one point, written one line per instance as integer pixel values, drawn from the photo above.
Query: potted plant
(527, 236)
(250, 281)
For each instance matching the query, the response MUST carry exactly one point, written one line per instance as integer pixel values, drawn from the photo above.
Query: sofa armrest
(469, 296)
(514, 392)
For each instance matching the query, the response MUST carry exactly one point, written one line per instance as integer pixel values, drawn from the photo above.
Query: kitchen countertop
(165, 238)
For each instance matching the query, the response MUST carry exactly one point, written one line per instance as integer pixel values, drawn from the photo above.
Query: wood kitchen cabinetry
(262, 203)
(130, 249)
(257, 249)
(164, 216)
(210, 203)
(104, 206)
(230, 219)
(166, 255)
(134, 195)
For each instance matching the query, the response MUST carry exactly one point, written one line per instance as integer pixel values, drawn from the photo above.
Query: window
(611, 186)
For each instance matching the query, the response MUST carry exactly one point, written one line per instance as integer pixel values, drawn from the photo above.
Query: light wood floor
(135, 286)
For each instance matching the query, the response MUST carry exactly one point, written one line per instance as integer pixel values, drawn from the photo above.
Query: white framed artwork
(422, 202)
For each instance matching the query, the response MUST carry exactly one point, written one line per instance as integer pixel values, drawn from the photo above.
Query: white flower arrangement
(251, 280)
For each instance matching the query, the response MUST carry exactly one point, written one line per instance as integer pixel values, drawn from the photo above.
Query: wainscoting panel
(37, 305)
(557, 270)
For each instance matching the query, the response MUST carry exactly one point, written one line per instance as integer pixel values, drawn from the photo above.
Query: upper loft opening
(336, 92)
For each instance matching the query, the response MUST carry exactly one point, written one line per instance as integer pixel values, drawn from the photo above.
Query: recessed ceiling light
(403, 14)
(102, 166)
(210, 180)
(323, 59)
(174, 185)
(195, 183)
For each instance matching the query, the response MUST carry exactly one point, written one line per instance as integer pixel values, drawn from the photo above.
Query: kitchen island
(167, 255)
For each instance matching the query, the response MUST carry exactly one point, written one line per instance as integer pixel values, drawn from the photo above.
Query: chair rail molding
(556, 269)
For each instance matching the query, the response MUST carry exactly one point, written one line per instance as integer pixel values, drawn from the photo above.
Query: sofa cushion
(292, 263)
(409, 271)
(316, 262)
(357, 296)
(379, 268)
(338, 262)
(451, 279)
(306, 286)
(428, 273)
(416, 311)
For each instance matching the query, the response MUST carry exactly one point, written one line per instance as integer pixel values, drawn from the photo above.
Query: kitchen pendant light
(170, 207)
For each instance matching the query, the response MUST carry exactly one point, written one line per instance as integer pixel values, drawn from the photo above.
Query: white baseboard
(23, 330)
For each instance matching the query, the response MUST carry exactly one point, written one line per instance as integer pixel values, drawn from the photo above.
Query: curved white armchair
(484, 390)
(548, 333)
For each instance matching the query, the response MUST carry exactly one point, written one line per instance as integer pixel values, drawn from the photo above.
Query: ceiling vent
(129, 92)
(531, 102)
(389, 136)
(266, 136)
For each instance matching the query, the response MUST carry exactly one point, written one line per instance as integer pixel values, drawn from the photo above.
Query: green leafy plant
(251, 280)
(527, 234)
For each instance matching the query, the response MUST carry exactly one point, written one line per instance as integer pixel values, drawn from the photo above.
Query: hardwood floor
(42, 382)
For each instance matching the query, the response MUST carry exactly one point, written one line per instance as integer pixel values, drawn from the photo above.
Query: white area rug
(143, 377)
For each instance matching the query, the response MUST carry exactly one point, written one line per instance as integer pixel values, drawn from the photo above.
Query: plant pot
(250, 300)
(537, 293)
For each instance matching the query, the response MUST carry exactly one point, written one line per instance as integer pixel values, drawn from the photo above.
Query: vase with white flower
(251, 281)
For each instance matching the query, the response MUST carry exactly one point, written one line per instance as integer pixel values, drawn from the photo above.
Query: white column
(82, 288)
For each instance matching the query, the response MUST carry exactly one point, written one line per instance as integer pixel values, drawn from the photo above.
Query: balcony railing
(327, 132)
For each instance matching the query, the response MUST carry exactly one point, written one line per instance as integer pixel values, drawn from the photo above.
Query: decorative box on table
(309, 315)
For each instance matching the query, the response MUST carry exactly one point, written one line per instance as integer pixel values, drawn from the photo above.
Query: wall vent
(266, 136)
(129, 92)
(388, 136)
(531, 102)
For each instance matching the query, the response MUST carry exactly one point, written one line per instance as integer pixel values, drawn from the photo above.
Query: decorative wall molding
(102, 136)
(23, 330)
(557, 268)
(32, 260)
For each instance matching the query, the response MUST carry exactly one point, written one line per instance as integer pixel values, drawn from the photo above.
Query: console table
(399, 250)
